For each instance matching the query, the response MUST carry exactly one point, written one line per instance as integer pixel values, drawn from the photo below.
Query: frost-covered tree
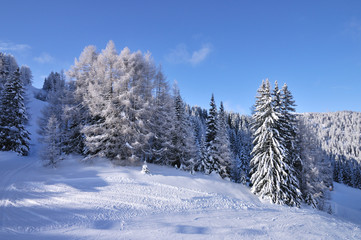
(290, 131)
(13, 135)
(55, 99)
(53, 82)
(8, 66)
(76, 110)
(51, 152)
(182, 152)
(339, 135)
(119, 97)
(270, 173)
(283, 104)
(161, 120)
(26, 75)
(223, 145)
(316, 173)
(98, 98)
(210, 162)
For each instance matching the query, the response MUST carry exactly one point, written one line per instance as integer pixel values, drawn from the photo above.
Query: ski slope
(102, 201)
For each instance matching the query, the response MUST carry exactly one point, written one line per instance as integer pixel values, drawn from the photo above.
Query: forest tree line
(121, 107)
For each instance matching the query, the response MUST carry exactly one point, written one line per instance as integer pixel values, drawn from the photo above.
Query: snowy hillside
(100, 201)
(106, 202)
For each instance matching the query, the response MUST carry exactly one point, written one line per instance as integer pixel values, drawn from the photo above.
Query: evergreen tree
(51, 152)
(290, 132)
(13, 135)
(223, 145)
(211, 160)
(269, 174)
(283, 104)
(73, 119)
(182, 152)
(161, 120)
(8, 66)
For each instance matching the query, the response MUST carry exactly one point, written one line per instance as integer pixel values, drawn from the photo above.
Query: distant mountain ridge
(338, 132)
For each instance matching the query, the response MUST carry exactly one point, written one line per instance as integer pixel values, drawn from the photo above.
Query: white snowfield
(101, 201)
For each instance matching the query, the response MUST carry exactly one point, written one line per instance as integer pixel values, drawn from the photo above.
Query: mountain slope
(101, 201)
(104, 202)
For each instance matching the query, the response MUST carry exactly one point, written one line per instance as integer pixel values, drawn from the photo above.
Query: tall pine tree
(182, 153)
(51, 152)
(270, 171)
(13, 116)
(211, 159)
(223, 145)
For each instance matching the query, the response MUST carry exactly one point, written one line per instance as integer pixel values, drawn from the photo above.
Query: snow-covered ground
(101, 201)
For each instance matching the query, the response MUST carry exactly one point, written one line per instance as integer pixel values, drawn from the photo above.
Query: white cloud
(44, 58)
(181, 54)
(9, 46)
(200, 55)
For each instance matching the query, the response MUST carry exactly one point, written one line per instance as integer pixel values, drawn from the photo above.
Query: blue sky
(220, 47)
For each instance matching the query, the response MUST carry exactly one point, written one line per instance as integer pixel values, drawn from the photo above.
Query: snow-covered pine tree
(72, 121)
(51, 152)
(8, 66)
(286, 127)
(269, 173)
(211, 160)
(223, 145)
(52, 82)
(245, 141)
(13, 135)
(290, 132)
(182, 152)
(161, 120)
(54, 108)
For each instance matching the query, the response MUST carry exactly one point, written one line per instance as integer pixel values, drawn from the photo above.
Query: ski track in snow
(102, 201)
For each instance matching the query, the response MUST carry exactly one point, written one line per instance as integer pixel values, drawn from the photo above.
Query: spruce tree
(161, 120)
(182, 150)
(283, 104)
(223, 145)
(269, 169)
(210, 163)
(13, 116)
(290, 132)
(51, 152)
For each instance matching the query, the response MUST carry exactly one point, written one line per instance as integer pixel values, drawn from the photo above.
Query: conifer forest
(120, 106)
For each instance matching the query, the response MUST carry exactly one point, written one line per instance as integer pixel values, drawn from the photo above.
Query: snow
(102, 201)
(346, 202)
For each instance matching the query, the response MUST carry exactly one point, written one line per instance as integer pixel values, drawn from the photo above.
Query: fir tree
(269, 170)
(13, 135)
(161, 120)
(223, 145)
(211, 160)
(51, 152)
(182, 152)
(290, 131)
(286, 127)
